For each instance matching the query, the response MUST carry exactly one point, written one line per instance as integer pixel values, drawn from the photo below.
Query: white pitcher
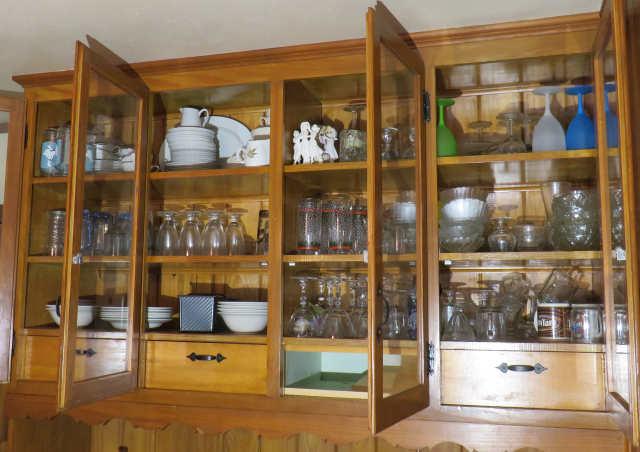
(191, 117)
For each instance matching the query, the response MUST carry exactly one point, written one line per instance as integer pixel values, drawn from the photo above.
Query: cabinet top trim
(535, 27)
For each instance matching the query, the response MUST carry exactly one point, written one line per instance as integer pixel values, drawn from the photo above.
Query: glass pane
(52, 138)
(105, 274)
(619, 323)
(398, 241)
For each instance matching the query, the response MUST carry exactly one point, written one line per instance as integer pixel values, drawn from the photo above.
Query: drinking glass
(459, 328)
(513, 143)
(102, 243)
(359, 315)
(121, 239)
(337, 323)
(86, 242)
(581, 133)
(339, 223)
(190, 238)
(548, 134)
(409, 151)
(446, 142)
(478, 141)
(447, 306)
(214, 237)
(167, 239)
(622, 324)
(360, 227)
(353, 141)
(236, 233)
(303, 321)
(389, 143)
(56, 220)
(309, 225)
(490, 324)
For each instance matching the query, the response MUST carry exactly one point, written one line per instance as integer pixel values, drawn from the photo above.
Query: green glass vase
(445, 140)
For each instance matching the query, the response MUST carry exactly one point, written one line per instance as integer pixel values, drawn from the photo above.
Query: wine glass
(389, 143)
(581, 133)
(613, 125)
(214, 237)
(513, 143)
(446, 141)
(303, 321)
(353, 141)
(548, 135)
(478, 142)
(359, 316)
(167, 239)
(190, 239)
(337, 323)
(236, 233)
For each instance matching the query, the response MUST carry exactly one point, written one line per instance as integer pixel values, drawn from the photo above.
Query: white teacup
(254, 153)
(191, 117)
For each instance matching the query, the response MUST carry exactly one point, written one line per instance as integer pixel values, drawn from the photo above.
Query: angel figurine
(315, 151)
(327, 137)
(297, 147)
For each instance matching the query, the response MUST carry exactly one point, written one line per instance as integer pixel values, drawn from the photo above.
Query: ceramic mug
(254, 153)
(191, 117)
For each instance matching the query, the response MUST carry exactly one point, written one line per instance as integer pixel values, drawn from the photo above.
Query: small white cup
(256, 153)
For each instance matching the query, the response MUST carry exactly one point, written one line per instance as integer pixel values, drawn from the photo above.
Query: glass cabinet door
(101, 277)
(618, 201)
(395, 77)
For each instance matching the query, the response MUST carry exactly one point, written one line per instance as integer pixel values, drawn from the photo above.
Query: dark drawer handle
(195, 357)
(537, 368)
(89, 352)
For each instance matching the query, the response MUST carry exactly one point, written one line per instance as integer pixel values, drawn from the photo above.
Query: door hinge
(426, 106)
(431, 361)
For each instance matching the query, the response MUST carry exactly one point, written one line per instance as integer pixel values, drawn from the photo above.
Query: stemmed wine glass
(167, 239)
(190, 239)
(303, 321)
(353, 141)
(214, 237)
(236, 233)
(337, 323)
(513, 143)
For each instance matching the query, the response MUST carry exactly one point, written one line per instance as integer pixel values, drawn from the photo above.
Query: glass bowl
(530, 237)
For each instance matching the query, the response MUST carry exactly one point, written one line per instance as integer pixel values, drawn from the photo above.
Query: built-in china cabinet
(307, 253)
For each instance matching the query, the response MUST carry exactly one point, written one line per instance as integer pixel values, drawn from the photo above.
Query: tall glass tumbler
(340, 224)
(55, 232)
(309, 225)
(360, 227)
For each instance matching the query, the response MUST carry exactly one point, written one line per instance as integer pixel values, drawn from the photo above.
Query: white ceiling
(39, 36)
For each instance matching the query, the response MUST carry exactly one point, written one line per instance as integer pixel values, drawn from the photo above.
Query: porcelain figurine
(328, 136)
(305, 144)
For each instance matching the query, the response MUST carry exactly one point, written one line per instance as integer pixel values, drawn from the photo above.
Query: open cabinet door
(102, 275)
(617, 80)
(396, 184)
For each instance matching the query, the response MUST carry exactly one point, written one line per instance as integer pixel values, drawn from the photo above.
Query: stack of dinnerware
(244, 316)
(86, 313)
(190, 146)
(117, 316)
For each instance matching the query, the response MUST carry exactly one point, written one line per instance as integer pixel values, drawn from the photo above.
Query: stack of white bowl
(86, 313)
(117, 316)
(190, 146)
(244, 316)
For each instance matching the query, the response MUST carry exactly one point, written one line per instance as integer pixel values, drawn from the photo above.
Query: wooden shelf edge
(328, 258)
(523, 346)
(204, 337)
(313, 344)
(324, 393)
(110, 177)
(42, 180)
(252, 258)
(519, 157)
(521, 255)
(81, 333)
(215, 172)
(45, 259)
(347, 166)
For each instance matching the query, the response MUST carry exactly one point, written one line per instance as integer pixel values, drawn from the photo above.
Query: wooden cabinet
(387, 371)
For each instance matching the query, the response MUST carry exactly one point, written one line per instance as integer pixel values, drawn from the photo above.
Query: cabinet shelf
(523, 346)
(205, 337)
(45, 259)
(53, 330)
(521, 168)
(521, 255)
(210, 183)
(49, 180)
(244, 259)
(346, 166)
(85, 259)
(317, 345)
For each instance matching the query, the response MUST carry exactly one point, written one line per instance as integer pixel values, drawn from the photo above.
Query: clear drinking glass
(190, 239)
(360, 228)
(86, 242)
(353, 141)
(303, 320)
(236, 234)
(513, 143)
(337, 323)
(309, 226)
(214, 237)
(339, 224)
(359, 316)
(167, 239)
(389, 143)
(490, 324)
(102, 238)
(459, 328)
(56, 220)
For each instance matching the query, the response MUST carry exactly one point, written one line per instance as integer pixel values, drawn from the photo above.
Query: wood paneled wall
(63, 434)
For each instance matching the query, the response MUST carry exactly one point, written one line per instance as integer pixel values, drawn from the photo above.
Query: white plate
(232, 134)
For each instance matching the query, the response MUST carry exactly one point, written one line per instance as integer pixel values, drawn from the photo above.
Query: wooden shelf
(523, 346)
(244, 259)
(52, 330)
(347, 166)
(324, 258)
(204, 337)
(210, 183)
(45, 259)
(317, 345)
(106, 260)
(521, 255)
(517, 169)
(110, 177)
(49, 180)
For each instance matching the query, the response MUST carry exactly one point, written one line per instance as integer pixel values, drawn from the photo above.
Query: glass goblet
(303, 321)
(167, 239)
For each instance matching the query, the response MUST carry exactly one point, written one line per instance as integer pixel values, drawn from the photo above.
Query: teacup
(254, 153)
(191, 117)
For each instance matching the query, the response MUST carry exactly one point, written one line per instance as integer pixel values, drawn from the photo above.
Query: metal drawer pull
(89, 352)
(537, 368)
(195, 357)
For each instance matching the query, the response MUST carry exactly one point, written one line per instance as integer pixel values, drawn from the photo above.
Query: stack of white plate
(190, 146)
(117, 316)
(244, 316)
(86, 314)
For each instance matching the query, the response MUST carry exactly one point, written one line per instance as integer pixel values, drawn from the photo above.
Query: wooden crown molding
(536, 27)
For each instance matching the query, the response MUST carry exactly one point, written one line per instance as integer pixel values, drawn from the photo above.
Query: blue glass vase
(612, 119)
(581, 133)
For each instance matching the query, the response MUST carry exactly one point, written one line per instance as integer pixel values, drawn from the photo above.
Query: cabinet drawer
(42, 358)
(571, 381)
(244, 369)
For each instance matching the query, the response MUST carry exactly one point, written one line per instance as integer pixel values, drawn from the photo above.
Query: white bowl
(245, 323)
(86, 315)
